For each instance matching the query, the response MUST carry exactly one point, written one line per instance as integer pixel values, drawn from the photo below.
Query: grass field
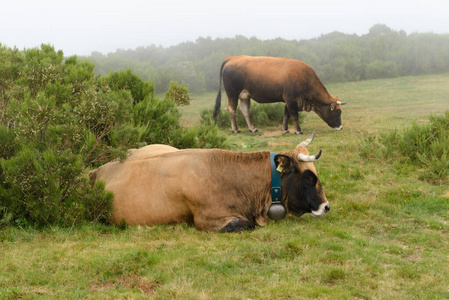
(385, 237)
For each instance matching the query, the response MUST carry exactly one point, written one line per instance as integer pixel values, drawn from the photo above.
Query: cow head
(330, 113)
(302, 190)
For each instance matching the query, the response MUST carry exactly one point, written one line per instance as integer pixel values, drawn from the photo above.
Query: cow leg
(244, 107)
(236, 225)
(222, 224)
(232, 108)
(285, 122)
(295, 122)
(293, 111)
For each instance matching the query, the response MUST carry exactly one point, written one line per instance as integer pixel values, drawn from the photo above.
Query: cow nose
(327, 208)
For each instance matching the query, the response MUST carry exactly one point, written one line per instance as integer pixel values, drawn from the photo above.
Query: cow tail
(218, 99)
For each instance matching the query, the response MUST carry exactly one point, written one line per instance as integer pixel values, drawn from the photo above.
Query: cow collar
(275, 180)
(277, 210)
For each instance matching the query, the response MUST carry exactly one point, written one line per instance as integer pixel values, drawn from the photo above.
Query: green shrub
(262, 115)
(158, 121)
(222, 118)
(126, 80)
(424, 145)
(179, 94)
(210, 137)
(97, 203)
(7, 145)
(46, 187)
(64, 120)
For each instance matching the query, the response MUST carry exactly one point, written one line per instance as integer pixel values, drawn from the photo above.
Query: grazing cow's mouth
(338, 128)
(324, 208)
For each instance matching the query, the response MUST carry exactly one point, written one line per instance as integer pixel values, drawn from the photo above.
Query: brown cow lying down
(216, 190)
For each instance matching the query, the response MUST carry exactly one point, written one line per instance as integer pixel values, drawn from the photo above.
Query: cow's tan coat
(159, 184)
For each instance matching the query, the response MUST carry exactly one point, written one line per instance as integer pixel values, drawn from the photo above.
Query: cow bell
(277, 211)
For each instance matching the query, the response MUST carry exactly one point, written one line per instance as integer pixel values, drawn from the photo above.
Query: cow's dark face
(301, 187)
(308, 197)
(331, 113)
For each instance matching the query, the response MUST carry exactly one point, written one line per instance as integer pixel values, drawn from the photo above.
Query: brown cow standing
(216, 190)
(275, 79)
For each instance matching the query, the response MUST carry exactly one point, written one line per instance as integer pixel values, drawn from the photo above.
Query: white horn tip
(309, 158)
(308, 141)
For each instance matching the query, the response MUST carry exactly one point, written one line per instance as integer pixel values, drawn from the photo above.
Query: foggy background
(81, 27)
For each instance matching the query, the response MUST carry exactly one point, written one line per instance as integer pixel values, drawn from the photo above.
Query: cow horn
(308, 141)
(341, 103)
(309, 158)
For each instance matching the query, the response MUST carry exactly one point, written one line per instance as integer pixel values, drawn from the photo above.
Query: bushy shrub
(210, 137)
(7, 145)
(62, 122)
(262, 115)
(46, 188)
(222, 118)
(59, 120)
(158, 120)
(126, 80)
(424, 145)
(179, 94)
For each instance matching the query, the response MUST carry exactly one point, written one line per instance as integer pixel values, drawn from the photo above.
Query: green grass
(386, 236)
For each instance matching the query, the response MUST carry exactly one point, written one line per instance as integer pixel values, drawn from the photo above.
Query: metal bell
(277, 211)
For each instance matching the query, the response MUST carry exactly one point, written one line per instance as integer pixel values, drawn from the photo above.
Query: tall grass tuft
(424, 145)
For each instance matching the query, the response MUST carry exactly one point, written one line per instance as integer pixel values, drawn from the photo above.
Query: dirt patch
(275, 133)
(141, 283)
(278, 143)
(131, 281)
(446, 195)
(271, 133)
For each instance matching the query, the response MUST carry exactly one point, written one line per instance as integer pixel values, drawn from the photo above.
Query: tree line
(337, 57)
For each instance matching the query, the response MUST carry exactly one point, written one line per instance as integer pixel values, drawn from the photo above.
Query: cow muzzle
(338, 128)
(324, 208)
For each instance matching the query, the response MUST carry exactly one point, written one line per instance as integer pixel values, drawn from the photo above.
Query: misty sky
(81, 26)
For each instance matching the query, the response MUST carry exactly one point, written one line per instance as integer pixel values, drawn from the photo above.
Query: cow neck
(275, 181)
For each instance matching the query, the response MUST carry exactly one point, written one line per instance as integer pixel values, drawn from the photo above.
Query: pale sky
(81, 26)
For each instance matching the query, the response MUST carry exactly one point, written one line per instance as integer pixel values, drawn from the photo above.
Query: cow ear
(332, 105)
(309, 178)
(282, 162)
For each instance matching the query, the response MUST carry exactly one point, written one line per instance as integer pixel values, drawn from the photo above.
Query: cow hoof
(235, 131)
(254, 130)
(285, 132)
(299, 132)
